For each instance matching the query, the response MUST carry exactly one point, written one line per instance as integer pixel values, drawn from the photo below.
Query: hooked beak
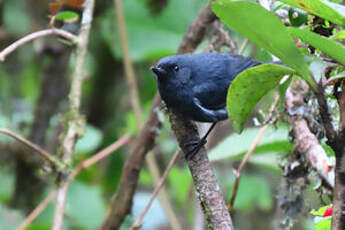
(160, 72)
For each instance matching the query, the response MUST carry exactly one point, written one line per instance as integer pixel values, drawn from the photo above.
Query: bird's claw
(193, 147)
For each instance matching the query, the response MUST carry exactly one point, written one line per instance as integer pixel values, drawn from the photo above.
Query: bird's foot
(193, 147)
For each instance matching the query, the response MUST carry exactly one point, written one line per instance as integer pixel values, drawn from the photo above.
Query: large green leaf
(329, 47)
(265, 29)
(324, 9)
(248, 88)
(235, 146)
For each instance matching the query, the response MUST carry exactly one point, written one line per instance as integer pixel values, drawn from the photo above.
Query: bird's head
(173, 69)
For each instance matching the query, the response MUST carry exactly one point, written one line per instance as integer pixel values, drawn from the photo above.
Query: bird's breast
(177, 97)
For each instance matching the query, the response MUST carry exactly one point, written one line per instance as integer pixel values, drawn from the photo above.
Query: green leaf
(320, 211)
(297, 16)
(331, 48)
(339, 35)
(90, 141)
(324, 224)
(324, 9)
(235, 146)
(66, 15)
(265, 29)
(243, 92)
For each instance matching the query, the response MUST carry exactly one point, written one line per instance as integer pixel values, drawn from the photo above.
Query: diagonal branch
(250, 151)
(33, 36)
(84, 164)
(137, 224)
(43, 153)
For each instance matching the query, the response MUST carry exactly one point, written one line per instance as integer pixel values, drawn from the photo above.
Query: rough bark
(208, 191)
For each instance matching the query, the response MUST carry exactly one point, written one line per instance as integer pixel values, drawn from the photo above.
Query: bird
(196, 85)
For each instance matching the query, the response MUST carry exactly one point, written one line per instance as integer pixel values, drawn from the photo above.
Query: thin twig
(99, 156)
(159, 186)
(135, 102)
(130, 75)
(38, 210)
(82, 165)
(250, 151)
(73, 120)
(332, 80)
(36, 35)
(43, 153)
(243, 47)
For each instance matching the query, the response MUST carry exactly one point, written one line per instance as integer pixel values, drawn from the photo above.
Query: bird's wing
(211, 94)
(211, 115)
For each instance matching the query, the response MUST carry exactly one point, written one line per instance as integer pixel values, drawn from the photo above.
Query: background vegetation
(278, 187)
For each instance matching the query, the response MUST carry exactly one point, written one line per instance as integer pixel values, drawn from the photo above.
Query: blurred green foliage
(155, 29)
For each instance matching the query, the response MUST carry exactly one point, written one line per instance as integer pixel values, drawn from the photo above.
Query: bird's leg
(193, 147)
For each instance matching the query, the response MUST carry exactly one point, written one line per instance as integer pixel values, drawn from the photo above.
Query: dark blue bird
(195, 85)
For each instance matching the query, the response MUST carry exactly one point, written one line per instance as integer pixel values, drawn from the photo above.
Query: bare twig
(250, 151)
(130, 75)
(36, 35)
(243, 47)
(137, 224)
(135, 101)
(43, 153)
(38, 210)
(82, 165)
(332, 80)
(74, 122)
(99, 156)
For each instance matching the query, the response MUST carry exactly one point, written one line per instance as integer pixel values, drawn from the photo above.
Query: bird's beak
(160, 72)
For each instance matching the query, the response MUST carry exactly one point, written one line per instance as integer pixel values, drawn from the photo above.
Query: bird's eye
(176, 68)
